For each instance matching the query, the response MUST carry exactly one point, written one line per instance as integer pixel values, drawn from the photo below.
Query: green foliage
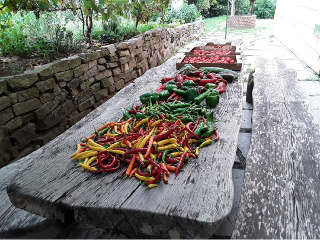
(242, 7)
(185, 14)
(217, 8)
(264, 9)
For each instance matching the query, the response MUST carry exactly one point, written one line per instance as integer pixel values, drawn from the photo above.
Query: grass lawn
(215, 22)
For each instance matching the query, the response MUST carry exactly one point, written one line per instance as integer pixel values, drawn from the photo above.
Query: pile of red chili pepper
(152, 139)
(207, 59)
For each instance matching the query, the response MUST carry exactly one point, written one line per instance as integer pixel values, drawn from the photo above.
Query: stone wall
(241, 21)
(40, 104)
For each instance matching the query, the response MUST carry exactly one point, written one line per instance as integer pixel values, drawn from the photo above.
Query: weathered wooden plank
(281, 191)
(15, 222)
(193, 205)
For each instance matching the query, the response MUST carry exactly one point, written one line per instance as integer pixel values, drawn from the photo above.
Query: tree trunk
(251, 6)
(233, 7)
(89, 24)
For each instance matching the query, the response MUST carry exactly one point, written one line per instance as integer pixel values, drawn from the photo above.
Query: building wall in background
(297, 25)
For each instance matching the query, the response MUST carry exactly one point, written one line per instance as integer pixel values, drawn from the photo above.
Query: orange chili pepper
(129, 169)
(133, 172)
(149, 147)
(171, 168)
(163, 165)
(165, 179)
(191, 155)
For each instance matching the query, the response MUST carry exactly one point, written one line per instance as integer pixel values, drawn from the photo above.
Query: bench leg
(250, 88)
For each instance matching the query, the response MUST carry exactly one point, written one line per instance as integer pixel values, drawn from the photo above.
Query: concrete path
(255, 43)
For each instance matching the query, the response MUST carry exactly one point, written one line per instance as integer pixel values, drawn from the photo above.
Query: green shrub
(242, 7)
(218, 8)
(264, 9)
(185, 14)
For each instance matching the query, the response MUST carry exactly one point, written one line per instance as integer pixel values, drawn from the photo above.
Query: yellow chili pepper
(155, 123)
(167, 115)
(152, 156)
(75, 153)
(176, 154)
(143, 178)
(193, 140)
(181, 123)
(116, 151)
(100, 149)
(90, 160)
(141, 122)
(144, 141)
(149, 166)
(120, 119)
(111, 134)
(141, 157)
(197, 151)
(113, 145)
(152, 185)
(124, 145)
(92, 143)
(206, 142)
(126, 127)
(170, 146)
(88, 167)
(186, 148)
(85, 154)
(85, 163)
(116, 129)
(170, 140)
(138, 143)
(180, 148)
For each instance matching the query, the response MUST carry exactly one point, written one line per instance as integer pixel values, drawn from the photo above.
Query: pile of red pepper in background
(212, 52)
(158, 136)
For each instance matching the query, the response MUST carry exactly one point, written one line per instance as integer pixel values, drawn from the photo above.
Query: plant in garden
(265, 9)
(185, 14)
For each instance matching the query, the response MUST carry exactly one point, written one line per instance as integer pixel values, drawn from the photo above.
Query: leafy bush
(185, 14)
(242, 7)
(218, 8)
(264, 9)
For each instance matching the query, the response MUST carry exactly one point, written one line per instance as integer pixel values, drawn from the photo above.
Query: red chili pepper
(154, 171)
(203, 82)
(155, 179)
(160, 89)
(211, 75)
(221, 87)
(195, 73)
(166, 79)
(183, 156)
(204, 120)
(165, 135)
(188, 125)
(161, 116)
(142, 173)
(171, 160)
(217, 135)
(133, 151)
(109, 170)
(101, 159)
(173, 95)
(196, 125)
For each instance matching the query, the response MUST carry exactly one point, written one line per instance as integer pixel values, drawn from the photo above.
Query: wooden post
(225, 36)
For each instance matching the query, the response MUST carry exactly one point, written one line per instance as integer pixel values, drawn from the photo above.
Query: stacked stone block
(241, 21)
(40, 104)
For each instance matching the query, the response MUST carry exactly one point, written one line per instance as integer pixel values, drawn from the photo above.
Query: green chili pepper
(147, 97)
(165, 153)
(189, 83)
(170, 87)
(164, 94)
(140, 115)
(212, 100)
(210, 86)
(126, 114)
(165, 106)
(180, 92)
(210, 124)
(180, 105)
(104, 131)
(201, 97)
(185, 119)
(192, 93)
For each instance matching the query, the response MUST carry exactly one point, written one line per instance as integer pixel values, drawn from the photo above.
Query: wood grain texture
(281, 191)
(193, 205)
(15, 222)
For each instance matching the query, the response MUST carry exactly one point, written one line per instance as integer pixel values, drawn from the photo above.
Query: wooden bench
(281, 192)
(15, 222)
(191, 206)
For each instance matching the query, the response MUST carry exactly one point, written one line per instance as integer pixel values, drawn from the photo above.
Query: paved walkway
(255, 43)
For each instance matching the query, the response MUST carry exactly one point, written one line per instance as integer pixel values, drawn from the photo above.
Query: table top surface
(192, 205)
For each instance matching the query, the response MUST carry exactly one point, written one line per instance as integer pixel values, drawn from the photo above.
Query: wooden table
(191, 206)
